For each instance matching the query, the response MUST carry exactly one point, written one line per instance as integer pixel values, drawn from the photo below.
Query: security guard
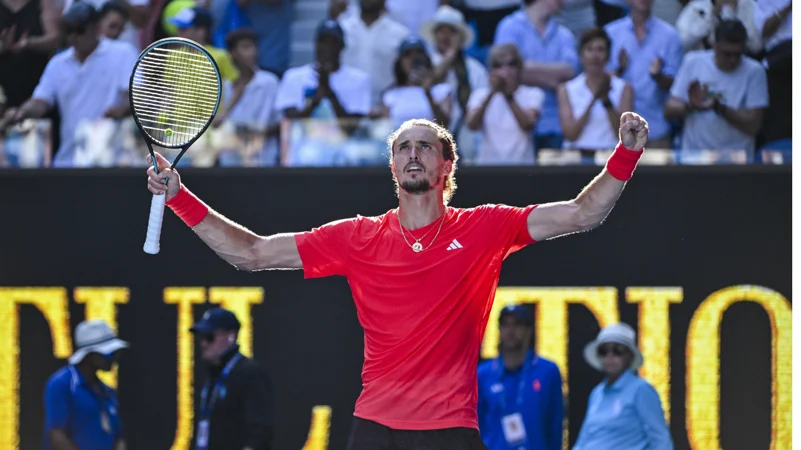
(235, 407)
(520, 401)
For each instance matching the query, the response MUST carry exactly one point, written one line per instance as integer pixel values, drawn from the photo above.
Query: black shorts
(369, 435)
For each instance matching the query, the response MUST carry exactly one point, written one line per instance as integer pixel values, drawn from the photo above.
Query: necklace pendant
(417, 247)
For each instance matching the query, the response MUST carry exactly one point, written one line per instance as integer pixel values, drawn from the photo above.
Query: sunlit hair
(499, 51)
(448, 152)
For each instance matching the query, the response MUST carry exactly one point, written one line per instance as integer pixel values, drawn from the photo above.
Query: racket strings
(175, 92)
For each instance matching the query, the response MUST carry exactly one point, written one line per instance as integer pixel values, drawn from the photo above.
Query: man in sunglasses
(87, 81)
(235, 408)
(81, 411)
(520, 402)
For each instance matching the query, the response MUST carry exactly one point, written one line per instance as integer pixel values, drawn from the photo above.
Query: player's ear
(447, 167)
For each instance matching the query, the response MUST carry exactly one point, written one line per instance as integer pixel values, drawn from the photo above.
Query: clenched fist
(633, 131)
(155, 182)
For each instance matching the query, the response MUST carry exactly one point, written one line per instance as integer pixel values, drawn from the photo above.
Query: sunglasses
(207, 337)
(511, 64)
(617, 350)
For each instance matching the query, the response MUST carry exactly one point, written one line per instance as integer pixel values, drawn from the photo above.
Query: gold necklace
(417, 246)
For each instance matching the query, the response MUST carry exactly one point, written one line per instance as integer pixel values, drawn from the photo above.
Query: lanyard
(521, 387)
(207, 405)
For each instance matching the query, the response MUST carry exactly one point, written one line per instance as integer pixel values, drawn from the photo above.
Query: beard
(418, 186)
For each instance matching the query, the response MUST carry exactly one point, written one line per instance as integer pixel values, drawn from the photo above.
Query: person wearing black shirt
(235, 405)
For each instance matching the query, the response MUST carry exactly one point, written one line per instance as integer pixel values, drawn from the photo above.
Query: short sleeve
(682, 81)
(128, 59)
(506, 33)
(673, 54)
(569, 52)
(362, 96)
(440, 92)
(48, 83)
(532, 98)
(756, 95)
(324, 251)
(477, 97)
(57, 404)
(510, 225)
(290, 92)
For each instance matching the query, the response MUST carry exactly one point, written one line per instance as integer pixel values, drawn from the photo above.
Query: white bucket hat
(448, 15)
(95, 336)
(618, 333)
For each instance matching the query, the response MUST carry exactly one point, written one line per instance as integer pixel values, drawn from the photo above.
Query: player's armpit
(279, 251)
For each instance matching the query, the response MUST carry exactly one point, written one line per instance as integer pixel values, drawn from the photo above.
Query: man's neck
(539, 16)
(640, 17)
(87, 372)
(417, 211)
(370, 17)
(245, 73)
(513, 359)
(81, 56)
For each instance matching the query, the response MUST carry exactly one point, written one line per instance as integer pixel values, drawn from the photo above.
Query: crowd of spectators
(512, 81)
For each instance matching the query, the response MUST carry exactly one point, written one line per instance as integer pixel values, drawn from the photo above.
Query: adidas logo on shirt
(454, 245)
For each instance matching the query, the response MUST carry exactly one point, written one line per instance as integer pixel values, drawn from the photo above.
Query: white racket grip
(154, 224)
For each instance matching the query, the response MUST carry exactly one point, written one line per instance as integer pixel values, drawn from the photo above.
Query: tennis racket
(174, 91)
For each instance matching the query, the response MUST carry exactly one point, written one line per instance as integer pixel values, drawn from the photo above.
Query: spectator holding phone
(414, 95)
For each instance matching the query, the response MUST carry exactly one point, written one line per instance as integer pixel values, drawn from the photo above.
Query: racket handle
(154, 224)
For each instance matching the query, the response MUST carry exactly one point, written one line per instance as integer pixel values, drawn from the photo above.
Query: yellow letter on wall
(320, 429)
(239, 301)
(185, 298)
(101, 304)
(703, 365)
(654, 333)
(52, 302)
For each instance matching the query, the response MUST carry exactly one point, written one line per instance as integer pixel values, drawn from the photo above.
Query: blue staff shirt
(661, 40)
(72, 405)
(556, 45)
(627, 416)
(542, 403)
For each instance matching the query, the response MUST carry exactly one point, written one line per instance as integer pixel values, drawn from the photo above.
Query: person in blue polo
(81, 412)
(520, 401)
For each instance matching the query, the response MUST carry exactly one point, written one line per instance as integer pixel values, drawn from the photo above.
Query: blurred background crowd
(323, 82)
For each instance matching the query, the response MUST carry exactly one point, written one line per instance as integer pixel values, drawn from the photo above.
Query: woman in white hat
(624, 411)
(448, 35)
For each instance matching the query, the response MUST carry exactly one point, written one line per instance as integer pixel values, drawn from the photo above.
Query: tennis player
(423, 278)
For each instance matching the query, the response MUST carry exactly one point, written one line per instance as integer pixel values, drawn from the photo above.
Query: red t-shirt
(423, 314)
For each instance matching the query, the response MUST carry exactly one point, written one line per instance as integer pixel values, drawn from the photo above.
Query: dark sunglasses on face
(207, 337)
(498, 64)
(80, 29)
(617, 350)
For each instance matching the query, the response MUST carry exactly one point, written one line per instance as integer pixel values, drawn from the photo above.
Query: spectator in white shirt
(372, 39)
(450, 36)
(506, 112)
(326, 89)
(248, 104)
(590, 105)
(414, 95)
(720, 94)
(88, 81)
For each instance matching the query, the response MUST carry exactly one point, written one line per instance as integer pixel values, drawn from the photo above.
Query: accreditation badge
(202, 435)
(513, 429)
(105, 423)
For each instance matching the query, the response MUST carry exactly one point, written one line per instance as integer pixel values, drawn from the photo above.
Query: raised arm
(232, 242)
(594, 202)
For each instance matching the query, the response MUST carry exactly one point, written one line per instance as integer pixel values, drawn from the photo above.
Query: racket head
(174, 91)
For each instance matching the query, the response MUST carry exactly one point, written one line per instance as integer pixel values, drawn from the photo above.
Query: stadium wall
(683, 246)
